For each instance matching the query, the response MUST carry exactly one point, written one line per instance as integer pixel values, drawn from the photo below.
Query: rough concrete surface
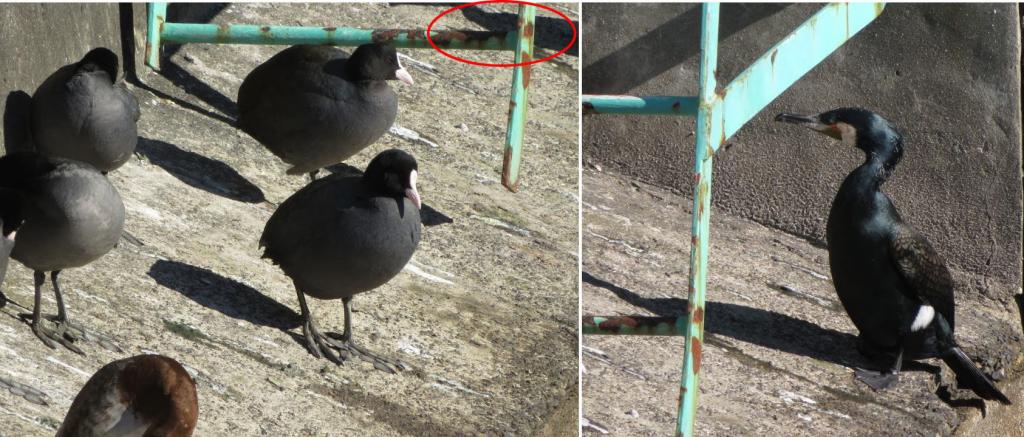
(948, 75)
(486, 312)
(780, 350)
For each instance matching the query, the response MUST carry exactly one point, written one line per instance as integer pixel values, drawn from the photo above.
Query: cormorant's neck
(864, 181)
(877, 167)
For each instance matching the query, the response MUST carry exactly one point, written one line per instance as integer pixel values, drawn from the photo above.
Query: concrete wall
(948, 75)
(36, 39)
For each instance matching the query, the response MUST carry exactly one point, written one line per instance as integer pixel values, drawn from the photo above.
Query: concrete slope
(780, 350)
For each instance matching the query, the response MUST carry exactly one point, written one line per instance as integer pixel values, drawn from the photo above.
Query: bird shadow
(549, 33)
(232, 111)
(199, 89)
(171, 71)
(649, 55)
(428, 215)
(231, 298)
(198, 171)
(755, 326)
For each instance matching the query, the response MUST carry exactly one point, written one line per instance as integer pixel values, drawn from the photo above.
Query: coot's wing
(290, 227)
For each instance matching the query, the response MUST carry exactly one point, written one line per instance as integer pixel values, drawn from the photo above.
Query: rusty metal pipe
(183, 33)
(633, 325)
(646, 105)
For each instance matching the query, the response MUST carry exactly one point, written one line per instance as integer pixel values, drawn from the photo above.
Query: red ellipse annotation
(485, 64)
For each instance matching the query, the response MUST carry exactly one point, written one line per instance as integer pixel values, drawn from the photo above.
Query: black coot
(80, 113)
(314, 106)
(344, 235)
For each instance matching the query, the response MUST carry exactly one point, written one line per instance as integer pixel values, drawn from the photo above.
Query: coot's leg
(47, 336)
(344, 343)
(315, 341)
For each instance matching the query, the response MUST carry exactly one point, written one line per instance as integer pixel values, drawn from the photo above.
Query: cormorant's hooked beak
(402, 74)
(411, 192)
(810, 122)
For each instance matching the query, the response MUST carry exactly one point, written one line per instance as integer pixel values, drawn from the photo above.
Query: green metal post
(709, 122)
(517, 104)
(155, 17)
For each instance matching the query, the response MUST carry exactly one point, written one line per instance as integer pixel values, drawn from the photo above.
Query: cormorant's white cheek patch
(847, 133)
(925, 314)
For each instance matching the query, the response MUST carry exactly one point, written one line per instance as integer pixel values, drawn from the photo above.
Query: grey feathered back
(80, 113)
(303, 106)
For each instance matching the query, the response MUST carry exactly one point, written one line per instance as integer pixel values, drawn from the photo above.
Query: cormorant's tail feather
(970, 375)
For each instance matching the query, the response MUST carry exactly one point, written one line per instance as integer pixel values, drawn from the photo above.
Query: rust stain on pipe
(527, 69)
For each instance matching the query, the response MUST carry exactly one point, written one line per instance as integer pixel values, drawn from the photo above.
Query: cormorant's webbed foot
(878, 381)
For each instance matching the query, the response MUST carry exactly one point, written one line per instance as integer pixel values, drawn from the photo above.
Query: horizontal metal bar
(646, 105)
(634, 325)
(341, 36)
(782, 65)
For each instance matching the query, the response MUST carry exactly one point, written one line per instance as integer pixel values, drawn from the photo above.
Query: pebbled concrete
(779, 349)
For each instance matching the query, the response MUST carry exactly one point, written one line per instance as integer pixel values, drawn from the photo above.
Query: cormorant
(892, 283)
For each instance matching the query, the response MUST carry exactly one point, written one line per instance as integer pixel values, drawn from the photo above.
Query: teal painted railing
(719, 115)
(159, 31)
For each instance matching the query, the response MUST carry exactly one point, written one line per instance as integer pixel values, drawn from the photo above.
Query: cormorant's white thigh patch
(925, 314)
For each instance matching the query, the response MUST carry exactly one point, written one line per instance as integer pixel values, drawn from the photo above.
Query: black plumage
(81, 113)
(891, 281)
(314, 106)
(66, 214)
(344, 235)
